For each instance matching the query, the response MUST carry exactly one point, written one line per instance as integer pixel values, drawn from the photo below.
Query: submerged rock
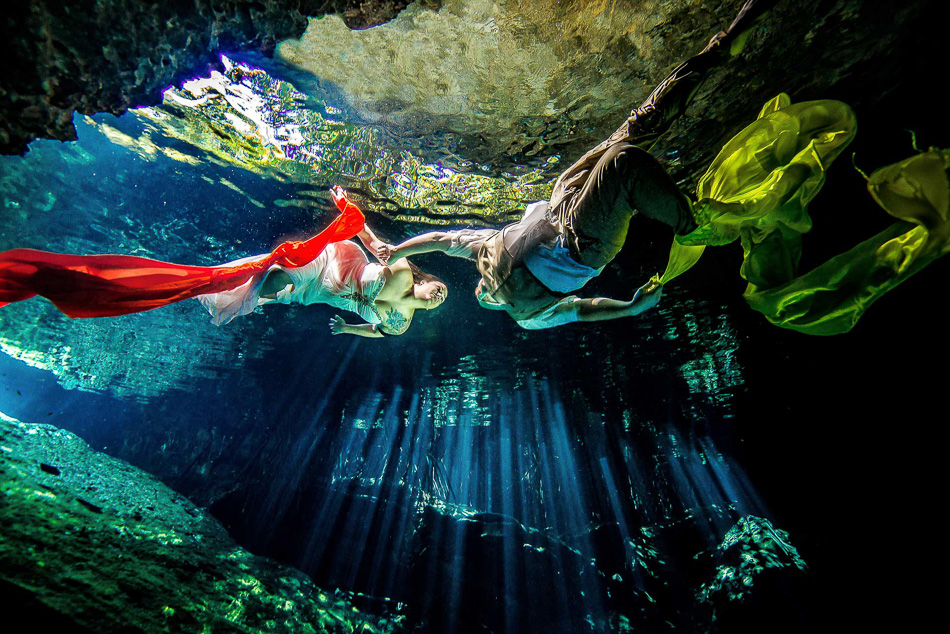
(755, 569)
(90, 543)
(456, 569)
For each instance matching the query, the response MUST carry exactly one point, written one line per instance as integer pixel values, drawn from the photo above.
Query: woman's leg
(275, 281)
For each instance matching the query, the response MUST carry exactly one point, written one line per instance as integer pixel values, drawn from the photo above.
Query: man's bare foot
(750, 12)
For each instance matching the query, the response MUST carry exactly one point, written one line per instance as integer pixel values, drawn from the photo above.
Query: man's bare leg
(597, 196)
(648, 121)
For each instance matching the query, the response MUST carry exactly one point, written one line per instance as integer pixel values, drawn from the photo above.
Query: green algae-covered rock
(88, 542)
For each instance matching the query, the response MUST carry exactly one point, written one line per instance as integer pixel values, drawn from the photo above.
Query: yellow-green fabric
(758, 189)
(682, 259)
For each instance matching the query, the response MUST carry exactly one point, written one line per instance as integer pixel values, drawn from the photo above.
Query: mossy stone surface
(88, 542)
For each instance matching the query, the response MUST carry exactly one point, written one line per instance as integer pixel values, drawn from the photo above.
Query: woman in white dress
(328, 268)
(384, 296)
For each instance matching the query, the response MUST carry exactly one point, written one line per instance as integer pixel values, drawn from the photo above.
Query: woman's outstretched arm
(371, 242)
(340, 327)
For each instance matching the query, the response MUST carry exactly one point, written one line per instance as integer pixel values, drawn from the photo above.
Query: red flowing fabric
(109, 285)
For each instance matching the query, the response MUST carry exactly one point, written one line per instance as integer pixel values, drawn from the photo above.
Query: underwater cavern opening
(695, 467)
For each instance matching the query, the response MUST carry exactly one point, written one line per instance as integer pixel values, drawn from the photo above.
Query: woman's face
(432, 293)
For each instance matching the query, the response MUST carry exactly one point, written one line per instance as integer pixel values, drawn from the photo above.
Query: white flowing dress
(341, 276)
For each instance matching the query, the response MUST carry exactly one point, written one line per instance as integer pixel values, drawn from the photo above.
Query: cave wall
(87, 56)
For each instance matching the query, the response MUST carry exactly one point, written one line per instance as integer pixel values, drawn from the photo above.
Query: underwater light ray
(360, 527)
(416, 472)
(647, 501)
(512, 577)
(532, 489)
(734, 494)
(579, 512)
(558, 518)
(486, 462)
(466, 470)
(705, 487)
(565, 468)
(627, 533)
(401, 520)
(462, 466)
(440, 570)
(689, 494)
(293, 469)
(440, 486)
(723, 482)
(506, 438)
(350, 445)
(735, 483)
(456, 580)
(613, 497)
(522, 570)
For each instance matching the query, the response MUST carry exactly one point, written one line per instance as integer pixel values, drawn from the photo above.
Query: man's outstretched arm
(573, 308)
(422, 243)
(605, 308)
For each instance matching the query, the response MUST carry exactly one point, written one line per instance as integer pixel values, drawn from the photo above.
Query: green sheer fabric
(757, 190)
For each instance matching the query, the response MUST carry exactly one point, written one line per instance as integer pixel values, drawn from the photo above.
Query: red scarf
(108, 285)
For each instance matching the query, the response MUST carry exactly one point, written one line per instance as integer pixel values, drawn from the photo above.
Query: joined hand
(384, 252)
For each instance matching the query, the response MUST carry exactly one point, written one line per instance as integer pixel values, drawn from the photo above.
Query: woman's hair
(421, 277)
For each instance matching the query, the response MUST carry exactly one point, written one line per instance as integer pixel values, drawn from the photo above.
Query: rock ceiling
(512, 79)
